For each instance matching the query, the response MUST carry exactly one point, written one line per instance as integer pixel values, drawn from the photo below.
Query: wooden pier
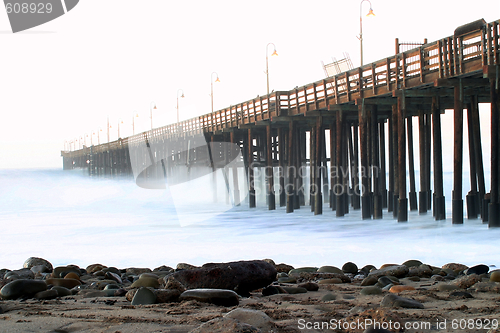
(344, 120)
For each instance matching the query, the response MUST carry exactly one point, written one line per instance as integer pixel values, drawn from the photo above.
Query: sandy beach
(429, 299)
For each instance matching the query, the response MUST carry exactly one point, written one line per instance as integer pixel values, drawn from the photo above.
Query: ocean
(67, 217)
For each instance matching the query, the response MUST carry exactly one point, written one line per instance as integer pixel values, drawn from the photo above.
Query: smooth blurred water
(68, 218)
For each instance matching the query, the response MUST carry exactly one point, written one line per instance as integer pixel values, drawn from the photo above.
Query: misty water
(68, 218)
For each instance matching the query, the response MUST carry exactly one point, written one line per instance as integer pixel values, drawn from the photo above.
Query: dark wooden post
(390, 194)
(395, 159)
(494, 205)
(281, 150)
(356, 197)
(457, 204)
(271, 198)
(318, 199)
(333, 165)
(236, 190)
(291, 170)
(422, 194)
(301, 160)
(382, 173)
(312, 166)
(251, 181)
(412, 195)
(478, 157)
(375, 165)
(324, 169)
(339, 189)
(471, 197)
(439, 199)
(402, 200)
(345, 168)
(366, 205)
(428, 149)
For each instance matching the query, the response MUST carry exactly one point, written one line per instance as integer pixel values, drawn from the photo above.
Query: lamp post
(152, 106)
(267, 62)
(212, 87)
(182, 96)
(370, 13)
(134, 115)
(119, 122)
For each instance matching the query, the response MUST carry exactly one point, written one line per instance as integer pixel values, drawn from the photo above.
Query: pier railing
(447, 57)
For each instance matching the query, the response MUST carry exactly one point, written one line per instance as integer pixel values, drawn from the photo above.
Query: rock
(287, 279)
(240, 276)
(309, 286)
(137, 271)
(350, 267)
(163, 268)
(412, 263)
(113, 276)
(270, 261)
(22, 287)
(34, 261)
(146, 282)
(400, 288)
(395, 270)
(455, 267)
(224, 297)
(61, 271)
(367, 269)
(495, 276)
(62, 291)
(283, 268)
(89, 293)
(38, 269)
(167, 295)
(371, 290)
(255, 318)
(321, 276)
(461, 294)
(384, 281)
(446, 287)
(182, 266)
(394, 301)
(329, 269)
(67, 283)
(144, 296)
(329, 297)
(270, 290)
(225, 325)
(46, 294)
(91, 269)
(330, 281)
(72, 275)
(478, 269)
(485, 287)
(295, 290)
(23, 273)
(112, 270)
(466, 281)
(369, 281)
(172, 283)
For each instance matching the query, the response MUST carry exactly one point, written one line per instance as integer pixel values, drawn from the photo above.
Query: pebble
(62, 291)
(287, 279)
(371, 290)
(412, 263)
(478, 269)
(400, 288)
(94, 268)
(46, 294)
(67, 283)
(24, 273)
(384, 281)
(113, 276)
(137, 271)
(367, 269)
(181, 266)
(446, 287)
(295, 290)
(394, 270)
(61, 271)
(72, 275)
(146, 282)
(222, 297)
(350, 267)
(329, 297)
(455, 267)
(329, 269)
(394, 301)
(309, 286)
(303, 270)
(283, 268)
(22, 287)
(34, 261)
(461, 294)
(255, 318)
(466, 281)
(225, 325)
(495, 276)
(330, 281)
(144, 296)
(369, 281)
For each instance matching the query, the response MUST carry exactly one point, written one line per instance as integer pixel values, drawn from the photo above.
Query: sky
(62, 80)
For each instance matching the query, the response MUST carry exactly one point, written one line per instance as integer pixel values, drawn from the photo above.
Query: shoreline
(278, 298)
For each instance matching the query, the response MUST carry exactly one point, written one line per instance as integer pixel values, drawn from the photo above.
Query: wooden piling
(356, 193)
(494, 205)
(333, 164)
(382, 172)
(402, 200)
(439, 199)
(395, 160)
(412, 195)
(472, 198)
(457, 208)
(251, 181)
(281, 151)
(375, 165)
(291, 171)
(478, 157)
(422, 138)
(236, 190)
(318, 199)
(339, 181)
(365, 188)
(271, 198)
